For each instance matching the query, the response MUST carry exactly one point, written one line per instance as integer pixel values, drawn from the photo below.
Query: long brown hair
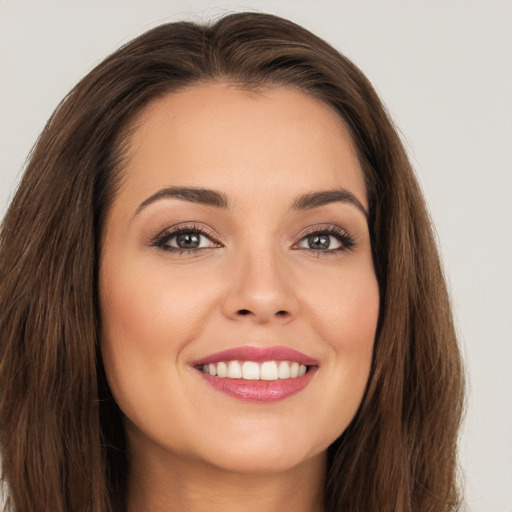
(61, 434)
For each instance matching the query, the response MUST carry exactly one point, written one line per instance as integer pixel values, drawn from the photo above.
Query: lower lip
(259, 390)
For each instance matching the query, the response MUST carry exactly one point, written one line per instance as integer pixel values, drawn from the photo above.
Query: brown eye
(185, 239)
(319, 242)
(188, 240)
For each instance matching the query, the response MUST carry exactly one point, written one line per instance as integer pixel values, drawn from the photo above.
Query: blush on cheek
(349, 323)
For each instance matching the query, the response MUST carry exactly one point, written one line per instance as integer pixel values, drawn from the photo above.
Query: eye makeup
(191, 238)
(320, 239)
(185, 239)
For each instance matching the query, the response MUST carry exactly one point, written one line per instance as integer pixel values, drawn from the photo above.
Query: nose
(261, 289)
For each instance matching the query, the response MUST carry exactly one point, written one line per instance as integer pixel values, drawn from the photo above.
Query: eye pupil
(188, 240)
(318, 241)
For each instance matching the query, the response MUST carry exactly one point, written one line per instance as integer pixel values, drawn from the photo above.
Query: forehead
(240, 141)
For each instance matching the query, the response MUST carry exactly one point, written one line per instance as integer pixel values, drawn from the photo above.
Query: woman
(219, 288)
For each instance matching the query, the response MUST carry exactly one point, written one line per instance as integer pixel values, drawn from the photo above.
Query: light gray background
(443, 67)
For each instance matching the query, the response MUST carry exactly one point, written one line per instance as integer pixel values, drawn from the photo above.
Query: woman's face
(238, 246)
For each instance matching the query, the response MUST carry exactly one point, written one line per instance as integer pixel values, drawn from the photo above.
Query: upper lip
(257, 354)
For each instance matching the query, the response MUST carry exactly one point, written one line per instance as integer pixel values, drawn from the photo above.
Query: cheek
(345, 312)
(345, 309)
(350, 332)
(150, 309)
(148, 317)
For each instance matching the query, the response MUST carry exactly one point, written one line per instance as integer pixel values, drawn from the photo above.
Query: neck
(165, 482)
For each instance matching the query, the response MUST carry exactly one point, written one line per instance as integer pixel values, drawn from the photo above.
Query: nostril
(247, 312)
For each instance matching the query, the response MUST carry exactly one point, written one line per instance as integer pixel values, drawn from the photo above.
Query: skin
(255, 281)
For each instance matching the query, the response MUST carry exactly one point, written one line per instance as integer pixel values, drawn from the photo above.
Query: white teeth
(222, 370)
(269, 371)
(250, 370)
(284, 370)
(234, 370)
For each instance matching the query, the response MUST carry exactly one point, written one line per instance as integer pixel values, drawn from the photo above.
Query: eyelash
(342, 236)
(163, 238)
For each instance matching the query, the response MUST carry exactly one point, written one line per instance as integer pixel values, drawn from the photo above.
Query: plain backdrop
(444, 70)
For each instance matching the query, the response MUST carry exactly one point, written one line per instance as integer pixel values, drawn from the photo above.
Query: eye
(329, 239)
(184, 239)
(320, 241)
(188, 241)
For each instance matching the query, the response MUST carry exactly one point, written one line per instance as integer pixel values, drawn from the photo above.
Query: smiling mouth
(258, 374)
(252, 370)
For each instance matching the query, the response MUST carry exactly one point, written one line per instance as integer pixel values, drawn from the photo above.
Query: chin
(271, 460)
(266, 450)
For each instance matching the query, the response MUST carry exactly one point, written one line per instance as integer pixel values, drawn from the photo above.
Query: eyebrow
(324, 197)
(194, 195)
(217, 199)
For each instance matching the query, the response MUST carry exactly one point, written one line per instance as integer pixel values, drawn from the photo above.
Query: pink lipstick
(258, 374)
